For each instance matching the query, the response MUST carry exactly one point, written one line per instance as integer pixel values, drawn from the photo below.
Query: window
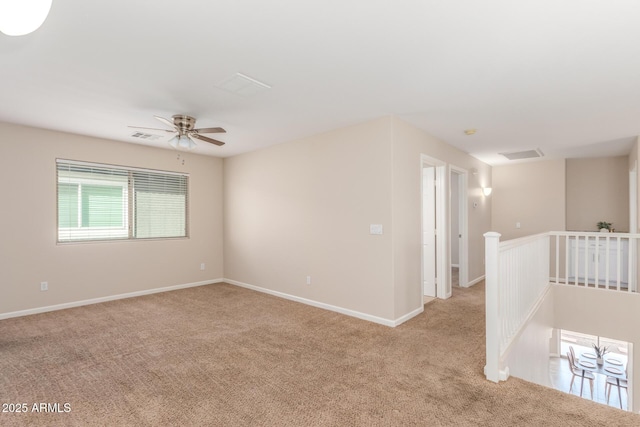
(103, 202)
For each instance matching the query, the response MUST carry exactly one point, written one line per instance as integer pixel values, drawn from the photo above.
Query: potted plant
(604, 226)
(600, 352)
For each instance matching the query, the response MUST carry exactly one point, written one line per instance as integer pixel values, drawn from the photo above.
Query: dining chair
(577, 372)
(611, 382)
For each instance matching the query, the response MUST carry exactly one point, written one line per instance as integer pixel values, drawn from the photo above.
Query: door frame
(443, 261)
(463, 223)
(429, 249)
(633, 225)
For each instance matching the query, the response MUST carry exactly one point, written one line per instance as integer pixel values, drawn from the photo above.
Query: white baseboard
(352, 313)
(408, 316)
(475, 281)
(103, 299)
(341, 310)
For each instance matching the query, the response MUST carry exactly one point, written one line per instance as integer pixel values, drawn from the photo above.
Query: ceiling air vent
(519, 155)
(243, 85)
(146, 136)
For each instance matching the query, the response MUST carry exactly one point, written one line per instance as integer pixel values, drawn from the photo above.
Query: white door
(459, 205)
(443, 261)
(429, 231)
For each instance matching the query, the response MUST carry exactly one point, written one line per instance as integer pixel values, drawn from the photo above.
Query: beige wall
(531, 193)
(304, 208)
(598, 190)
(409, 144)
(76, 272)
(277, 215)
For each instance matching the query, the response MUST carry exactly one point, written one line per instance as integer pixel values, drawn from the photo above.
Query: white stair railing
(595, 260)
(517, 277)
(519, 272)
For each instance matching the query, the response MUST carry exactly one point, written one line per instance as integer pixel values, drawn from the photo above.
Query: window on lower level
(103, 202)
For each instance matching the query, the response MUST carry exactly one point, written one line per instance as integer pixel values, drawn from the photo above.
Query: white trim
(463, 221)
(341, 310)
(475, 281)
(443, 272)
(408, 316)
(428, 225)
(532, 312)
(352, 313)
(631, 384)
(104, 299)
(443, 233)
(633, 198)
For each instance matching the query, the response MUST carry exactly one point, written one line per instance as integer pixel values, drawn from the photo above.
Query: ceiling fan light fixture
(20, 17)
(186, 143)
(184, 132)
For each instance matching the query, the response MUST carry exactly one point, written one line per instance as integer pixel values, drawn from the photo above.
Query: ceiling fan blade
(206, 139)
(209, 130)
(165, 121)
(161, 130)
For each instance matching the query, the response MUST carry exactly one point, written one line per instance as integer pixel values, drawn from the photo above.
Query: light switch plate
(375, 229)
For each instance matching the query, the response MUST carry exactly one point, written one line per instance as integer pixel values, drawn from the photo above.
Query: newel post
(492, 305)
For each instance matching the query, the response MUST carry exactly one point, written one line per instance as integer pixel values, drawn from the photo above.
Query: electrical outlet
(308, 280)
(44, 286)
(202, 266)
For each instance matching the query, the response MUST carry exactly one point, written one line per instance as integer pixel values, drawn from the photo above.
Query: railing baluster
(596, 253)
(619, 260)
(586, 261)
(557, 259)
(567, 242)
(576, 256)
(629, 265)
(608, 263)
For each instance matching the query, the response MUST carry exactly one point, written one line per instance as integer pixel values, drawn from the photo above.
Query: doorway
(435, 257)
(458, 226)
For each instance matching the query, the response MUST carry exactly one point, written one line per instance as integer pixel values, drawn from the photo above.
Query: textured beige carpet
(220, 355)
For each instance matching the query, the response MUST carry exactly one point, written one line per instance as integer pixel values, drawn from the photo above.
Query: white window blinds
(103, 202)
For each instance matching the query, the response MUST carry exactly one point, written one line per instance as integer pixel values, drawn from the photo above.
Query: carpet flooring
(220, 355)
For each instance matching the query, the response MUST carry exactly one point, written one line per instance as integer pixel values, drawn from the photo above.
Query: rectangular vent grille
(243, 85)
(147, 136)
(519, 155)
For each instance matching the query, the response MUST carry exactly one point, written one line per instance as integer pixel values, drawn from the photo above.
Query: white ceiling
(562, 76)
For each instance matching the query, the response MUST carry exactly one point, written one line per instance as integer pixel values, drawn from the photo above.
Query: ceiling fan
(183, 127)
